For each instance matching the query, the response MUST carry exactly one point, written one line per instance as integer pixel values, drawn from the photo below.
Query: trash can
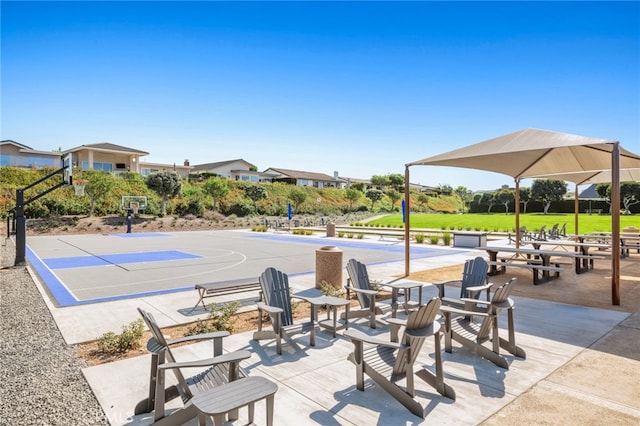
(329, 266)
(331, 229)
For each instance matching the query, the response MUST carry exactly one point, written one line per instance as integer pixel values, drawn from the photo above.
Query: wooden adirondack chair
(388, 362)
(277, 304)
(554, 232)
(220, 369)
(541, 235)
(472, 335)
(358, 282)
(474, 280)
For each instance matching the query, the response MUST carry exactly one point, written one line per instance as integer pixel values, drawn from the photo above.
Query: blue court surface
(81, 269)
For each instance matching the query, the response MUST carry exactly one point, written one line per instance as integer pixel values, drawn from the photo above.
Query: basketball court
(84, 269)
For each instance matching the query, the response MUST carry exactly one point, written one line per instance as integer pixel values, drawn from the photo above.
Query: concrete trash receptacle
(329, 266)
(331, 229)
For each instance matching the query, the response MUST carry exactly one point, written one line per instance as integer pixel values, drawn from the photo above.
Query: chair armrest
(363, 291)
(479, 288)
(235, 356)
(440, 285)
(362, 337)
(445, 282)
(397, 321)
(270, 309)
(452, 302)
(198, 337)
(451, 309)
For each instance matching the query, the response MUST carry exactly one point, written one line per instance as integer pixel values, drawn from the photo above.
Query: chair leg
(270, 400)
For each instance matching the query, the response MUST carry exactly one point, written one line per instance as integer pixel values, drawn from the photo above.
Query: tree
(604, 191)
(396, 180)
(505, 196)
(394, 196)
(445, 189)
(255, 193)
(380, 181)
(629, 194)
(359, 186)
(374, 195)
(548, 190)
(465, 195)
(525, 197)
(98, 186)
(423, 200)
(489, 199)
(297, 195)
(217, 188)
(166, 185)
(352, 195)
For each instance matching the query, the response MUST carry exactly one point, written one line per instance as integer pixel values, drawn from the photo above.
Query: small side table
(332, 304)
(406, 287)
(220, 400)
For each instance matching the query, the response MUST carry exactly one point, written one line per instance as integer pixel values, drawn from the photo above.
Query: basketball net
(134, 208)
(78, 186)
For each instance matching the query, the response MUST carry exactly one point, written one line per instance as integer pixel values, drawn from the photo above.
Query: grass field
(500, 222)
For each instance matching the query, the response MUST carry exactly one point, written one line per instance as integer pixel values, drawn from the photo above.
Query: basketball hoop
(78, 186)
(134, 208)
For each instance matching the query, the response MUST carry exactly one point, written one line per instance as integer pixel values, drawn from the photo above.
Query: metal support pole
(21, 229)
(128, 221)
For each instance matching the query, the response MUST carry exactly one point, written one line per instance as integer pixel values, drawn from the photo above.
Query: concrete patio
(581, 368)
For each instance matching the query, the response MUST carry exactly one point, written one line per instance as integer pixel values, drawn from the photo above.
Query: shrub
(434, 239)
(360, 236)
(419, 238)
(340, 234)
(329, 290)
(111, 342)
(446, 239)
(220, 319)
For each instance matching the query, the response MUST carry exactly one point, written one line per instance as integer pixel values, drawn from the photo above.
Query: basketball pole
(21, 220)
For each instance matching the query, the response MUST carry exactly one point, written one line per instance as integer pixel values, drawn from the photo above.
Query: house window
(28, 162)
(105, 167)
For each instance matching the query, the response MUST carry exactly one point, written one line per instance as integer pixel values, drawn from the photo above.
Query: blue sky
(360, 88)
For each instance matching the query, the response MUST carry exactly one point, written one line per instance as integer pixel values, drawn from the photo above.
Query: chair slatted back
(474, 274)
(420, 319)
(359, 279)
(275, 290)
(159, 343)
(500, 295)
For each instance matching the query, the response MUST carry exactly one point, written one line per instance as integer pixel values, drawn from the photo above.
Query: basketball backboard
(134, 202)
(67, 166)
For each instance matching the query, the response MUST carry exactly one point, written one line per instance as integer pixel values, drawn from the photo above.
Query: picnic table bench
(226, 287)
(541, 273)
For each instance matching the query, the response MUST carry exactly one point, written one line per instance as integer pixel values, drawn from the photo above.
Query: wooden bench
(226, 287)
(534, 265)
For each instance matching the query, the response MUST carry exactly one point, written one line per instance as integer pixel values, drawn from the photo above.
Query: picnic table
(583, 264)
(538, 261)
(628, 240)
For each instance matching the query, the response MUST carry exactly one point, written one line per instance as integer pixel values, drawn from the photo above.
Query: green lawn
(500, 222)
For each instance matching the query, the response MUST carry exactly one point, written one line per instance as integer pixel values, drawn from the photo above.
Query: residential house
(234, 169)
(15, 154)
(107, 157)
(300, 178)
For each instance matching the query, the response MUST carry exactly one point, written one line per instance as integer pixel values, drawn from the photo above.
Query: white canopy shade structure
(535, 153)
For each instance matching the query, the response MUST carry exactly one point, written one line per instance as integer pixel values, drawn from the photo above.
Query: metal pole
(128, 221)
(21, 229)
(407, 222)
(615, 224)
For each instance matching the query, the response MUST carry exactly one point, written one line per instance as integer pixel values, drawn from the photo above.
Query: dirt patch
(247, 321)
